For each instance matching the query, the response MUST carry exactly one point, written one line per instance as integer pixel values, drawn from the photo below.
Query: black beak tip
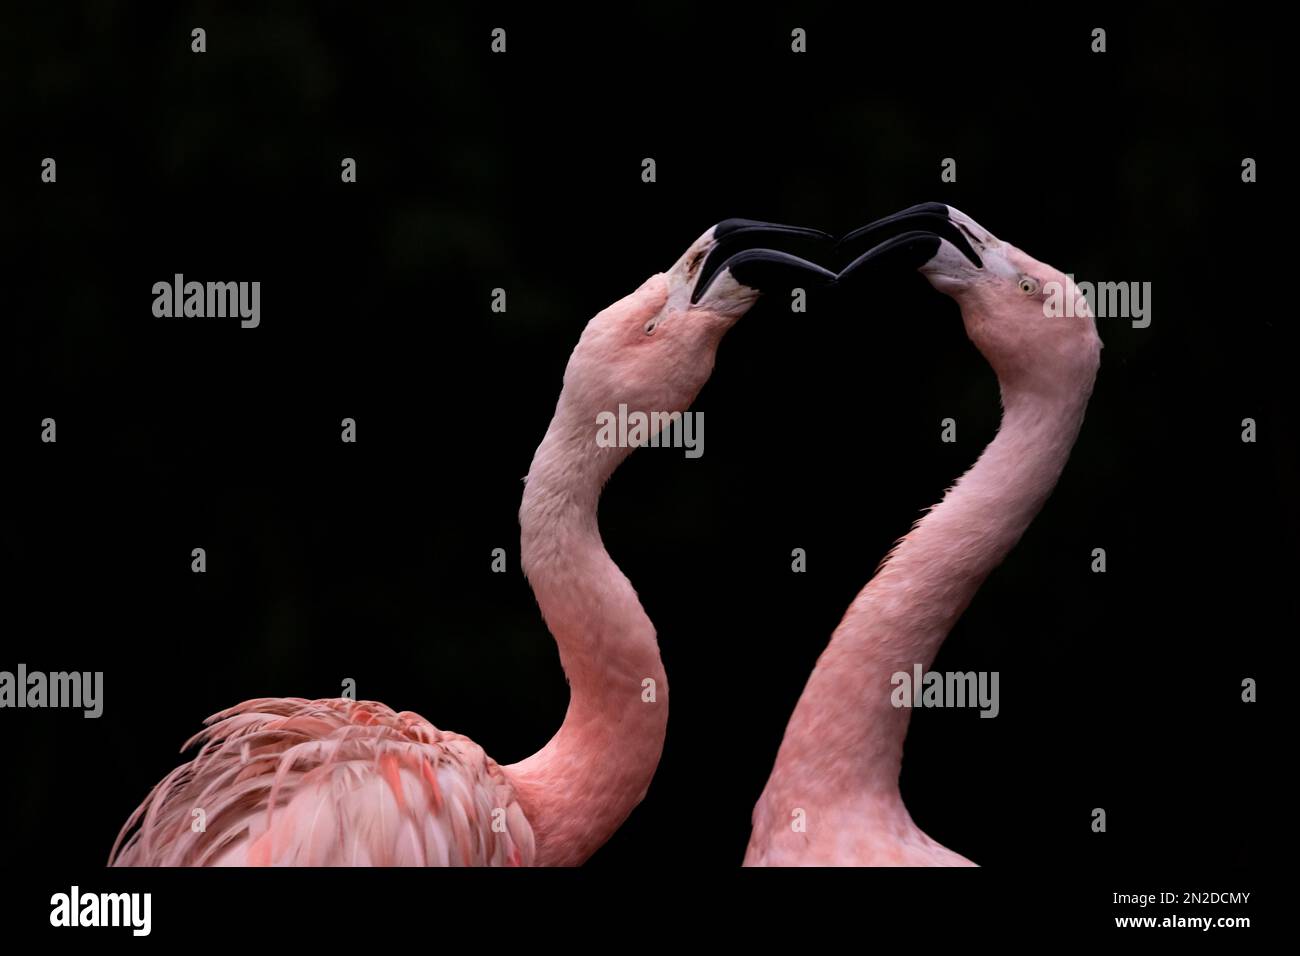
(934, 218)
(734, 238)
(913, 214)
(907, 251)
(731, 228)
(766, 270)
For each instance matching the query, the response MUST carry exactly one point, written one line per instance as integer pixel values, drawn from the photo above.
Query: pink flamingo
(287, 781)
(832, 797)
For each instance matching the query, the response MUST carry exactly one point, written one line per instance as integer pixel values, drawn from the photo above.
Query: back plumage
(334, 782)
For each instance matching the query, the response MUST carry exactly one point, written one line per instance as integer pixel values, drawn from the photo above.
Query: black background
(372, 561)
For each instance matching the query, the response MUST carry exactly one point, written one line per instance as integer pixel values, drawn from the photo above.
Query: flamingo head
(1004, 293)
(654, 349)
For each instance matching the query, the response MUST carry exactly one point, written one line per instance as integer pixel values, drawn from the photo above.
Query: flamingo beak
(912, 238)
(757, 255)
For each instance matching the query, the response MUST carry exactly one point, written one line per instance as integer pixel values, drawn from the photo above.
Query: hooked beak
(755, 255)
(932, 237)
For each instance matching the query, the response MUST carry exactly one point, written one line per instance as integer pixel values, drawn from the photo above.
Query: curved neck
(580, 787)
(846, 735)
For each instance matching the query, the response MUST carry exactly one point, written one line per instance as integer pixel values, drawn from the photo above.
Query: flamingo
(289, 781)
(833, 797)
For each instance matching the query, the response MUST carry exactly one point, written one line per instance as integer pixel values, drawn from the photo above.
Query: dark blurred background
(371, 561)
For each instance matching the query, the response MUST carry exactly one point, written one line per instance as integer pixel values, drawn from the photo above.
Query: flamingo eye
(652, 325)
(1028, 285)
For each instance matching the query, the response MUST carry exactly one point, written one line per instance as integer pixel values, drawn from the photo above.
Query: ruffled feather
(334, 782)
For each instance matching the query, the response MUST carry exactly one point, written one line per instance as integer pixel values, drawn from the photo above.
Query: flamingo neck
(579, 788)
(845, 739)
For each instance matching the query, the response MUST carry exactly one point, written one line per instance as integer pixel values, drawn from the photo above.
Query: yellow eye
(1028, 286)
